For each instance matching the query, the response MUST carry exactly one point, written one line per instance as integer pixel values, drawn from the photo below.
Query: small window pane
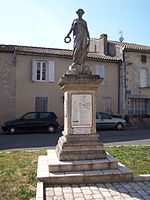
(105, 116)
(44, 71)
(38, 70)
(30, 116)
(41, 71)
(44, 115)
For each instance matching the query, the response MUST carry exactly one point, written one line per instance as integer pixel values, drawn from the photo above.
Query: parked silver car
(105, 121)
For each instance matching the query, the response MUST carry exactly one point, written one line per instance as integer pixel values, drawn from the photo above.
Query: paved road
(111, 137)
(126, 137)
(28, 140)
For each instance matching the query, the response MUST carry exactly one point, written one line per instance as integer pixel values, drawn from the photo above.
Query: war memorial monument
(80, 156)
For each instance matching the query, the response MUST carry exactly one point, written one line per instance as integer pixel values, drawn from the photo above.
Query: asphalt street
(45, 140)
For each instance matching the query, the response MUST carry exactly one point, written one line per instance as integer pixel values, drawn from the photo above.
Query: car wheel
(51, 129)
(12, 130)
(119, 126)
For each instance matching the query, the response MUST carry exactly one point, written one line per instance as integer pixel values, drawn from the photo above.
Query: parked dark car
(106, 121)
(33, 121)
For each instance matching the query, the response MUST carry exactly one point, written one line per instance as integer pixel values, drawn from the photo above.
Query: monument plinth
(80, 156)
(79, 140)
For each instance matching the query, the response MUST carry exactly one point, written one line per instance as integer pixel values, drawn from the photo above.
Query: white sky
(45, 23)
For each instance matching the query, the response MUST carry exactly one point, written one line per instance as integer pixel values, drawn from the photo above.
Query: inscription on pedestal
(81, 115)
(83, 130)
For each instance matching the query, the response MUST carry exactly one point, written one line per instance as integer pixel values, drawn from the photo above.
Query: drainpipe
(122, 83)
(119, 66)
(125, 86)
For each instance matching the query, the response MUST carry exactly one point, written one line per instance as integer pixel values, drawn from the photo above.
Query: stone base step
(80, 147)
(89, 176)
(51, 170)
(78, 165)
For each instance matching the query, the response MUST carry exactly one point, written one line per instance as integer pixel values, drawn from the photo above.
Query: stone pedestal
(79, 140)
(80, 157)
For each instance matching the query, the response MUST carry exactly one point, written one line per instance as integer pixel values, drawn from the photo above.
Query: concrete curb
(141, 178)
(40, 191)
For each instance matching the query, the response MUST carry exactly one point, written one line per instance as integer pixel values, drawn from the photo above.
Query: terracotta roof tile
(51, 52)
(127, 46)
(131, 46)
(101, 56)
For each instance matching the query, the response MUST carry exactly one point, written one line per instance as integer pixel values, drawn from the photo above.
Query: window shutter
(100, 70)
(148, 78)
(34, 70)
(41, 104)
(97, 69)
(143, 77)
(50, 71)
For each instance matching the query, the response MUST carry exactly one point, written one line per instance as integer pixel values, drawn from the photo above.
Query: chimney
(103, 43)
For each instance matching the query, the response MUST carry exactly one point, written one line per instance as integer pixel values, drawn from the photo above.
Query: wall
(133, 85)
(108, 89)
(21, 90)
(26, 90)
(133, 72)
(7, 87)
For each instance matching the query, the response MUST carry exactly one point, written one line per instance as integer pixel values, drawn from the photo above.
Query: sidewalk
(107, 191)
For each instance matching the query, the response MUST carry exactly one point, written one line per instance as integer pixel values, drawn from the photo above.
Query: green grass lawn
(18, 174)
(136, 158)
(18, 169)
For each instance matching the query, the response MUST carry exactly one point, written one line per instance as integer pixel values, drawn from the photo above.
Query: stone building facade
(7, 86)
(134, 77)
(29, 77)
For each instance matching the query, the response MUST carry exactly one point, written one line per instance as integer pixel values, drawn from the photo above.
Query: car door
(99, 121)
(28, 122)
(104, 121)
(43, 120)
(107, 121)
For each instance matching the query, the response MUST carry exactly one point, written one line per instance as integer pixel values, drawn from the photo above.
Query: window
(139, 106)
(100, 70)
(44, 115)
(105, 116)
(143, 77)
(143, 58)
(30, 116)
(42, 71)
